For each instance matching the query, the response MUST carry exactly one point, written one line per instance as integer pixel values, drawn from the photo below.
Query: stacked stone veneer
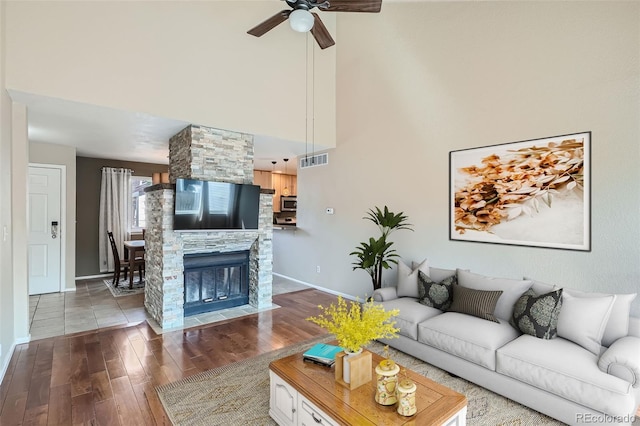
(210, 154)
(204, 153)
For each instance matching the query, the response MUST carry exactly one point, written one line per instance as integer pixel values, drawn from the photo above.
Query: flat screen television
(204, 205)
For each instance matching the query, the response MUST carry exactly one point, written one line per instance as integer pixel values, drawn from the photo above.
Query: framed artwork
(530, 193)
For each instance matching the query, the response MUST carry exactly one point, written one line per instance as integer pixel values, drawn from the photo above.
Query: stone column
(164, 279)
(262, 254)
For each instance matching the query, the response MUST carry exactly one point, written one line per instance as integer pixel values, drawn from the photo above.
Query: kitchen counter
(285, 227)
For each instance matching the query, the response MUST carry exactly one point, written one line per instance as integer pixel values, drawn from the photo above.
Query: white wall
(191, 61)
(43, 153)
(6, 259)
(422, 79)
(19, 246)
(14, 299)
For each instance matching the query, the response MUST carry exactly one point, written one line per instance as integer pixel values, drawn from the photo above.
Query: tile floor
(92, 306)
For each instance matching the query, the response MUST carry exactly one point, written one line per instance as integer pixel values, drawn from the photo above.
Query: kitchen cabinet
(279, 182)
(262, 178)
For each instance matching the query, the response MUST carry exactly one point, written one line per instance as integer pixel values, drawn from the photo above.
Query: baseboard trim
(22, 340)
(89, 277)
(5, 365)
(326, 290)
(7, 360)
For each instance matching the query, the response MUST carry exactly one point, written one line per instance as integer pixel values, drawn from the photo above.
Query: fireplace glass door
(215, 282)
(221, 284)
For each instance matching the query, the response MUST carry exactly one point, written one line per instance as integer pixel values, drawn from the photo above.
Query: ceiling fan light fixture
(301, 20)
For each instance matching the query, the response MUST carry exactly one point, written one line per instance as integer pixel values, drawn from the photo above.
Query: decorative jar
(386, 383)
(407, 398)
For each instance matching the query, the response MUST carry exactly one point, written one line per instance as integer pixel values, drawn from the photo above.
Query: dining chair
(122, 265)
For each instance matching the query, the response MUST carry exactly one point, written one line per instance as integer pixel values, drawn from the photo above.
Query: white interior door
(44, 230)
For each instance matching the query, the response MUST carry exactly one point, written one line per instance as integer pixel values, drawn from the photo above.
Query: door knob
(54, 229)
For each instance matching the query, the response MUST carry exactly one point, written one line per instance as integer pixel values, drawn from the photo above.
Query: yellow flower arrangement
(358, 325)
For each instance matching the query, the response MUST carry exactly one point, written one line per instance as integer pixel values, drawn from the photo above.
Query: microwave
(288, 203)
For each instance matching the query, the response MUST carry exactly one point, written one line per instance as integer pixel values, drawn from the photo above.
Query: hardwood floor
(108, 376)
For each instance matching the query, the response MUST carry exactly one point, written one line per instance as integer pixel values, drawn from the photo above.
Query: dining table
(132, 247)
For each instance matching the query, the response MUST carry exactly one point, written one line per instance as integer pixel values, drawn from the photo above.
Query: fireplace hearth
(214, 281)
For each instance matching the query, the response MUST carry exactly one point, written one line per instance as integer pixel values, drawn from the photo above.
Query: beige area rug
(123, 287)
(238, 394)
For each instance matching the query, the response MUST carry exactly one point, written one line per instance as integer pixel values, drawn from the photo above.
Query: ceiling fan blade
(320, 33)
(270, 23)
(372, 6)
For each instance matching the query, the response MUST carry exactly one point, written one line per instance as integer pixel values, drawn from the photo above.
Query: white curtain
(115, 213)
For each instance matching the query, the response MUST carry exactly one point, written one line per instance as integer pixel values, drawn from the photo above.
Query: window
(138, 184)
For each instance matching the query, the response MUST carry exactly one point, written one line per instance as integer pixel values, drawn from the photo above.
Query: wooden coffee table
(306, 393)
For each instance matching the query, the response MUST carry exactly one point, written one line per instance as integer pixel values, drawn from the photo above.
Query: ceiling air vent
(314, 160)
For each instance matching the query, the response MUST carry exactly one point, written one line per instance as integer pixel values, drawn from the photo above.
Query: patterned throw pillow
(479, 303)
(434, 294)
(537, 315)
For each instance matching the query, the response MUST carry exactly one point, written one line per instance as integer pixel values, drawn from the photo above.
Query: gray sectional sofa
(586, 369)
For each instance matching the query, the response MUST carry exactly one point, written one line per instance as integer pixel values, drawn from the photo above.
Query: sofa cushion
(438, 295)
(411, 314)
(583, 320)
(408, 278)
(512, 289)
(467, 337)
(565, 369)
(618, 324)
(537, 315)
(478, 303)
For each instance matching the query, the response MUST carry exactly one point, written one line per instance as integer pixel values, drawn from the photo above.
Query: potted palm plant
(375, 255)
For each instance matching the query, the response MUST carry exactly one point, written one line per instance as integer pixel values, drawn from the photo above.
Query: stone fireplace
(204, 153)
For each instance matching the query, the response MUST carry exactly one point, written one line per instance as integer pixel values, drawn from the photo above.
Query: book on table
(322, 353)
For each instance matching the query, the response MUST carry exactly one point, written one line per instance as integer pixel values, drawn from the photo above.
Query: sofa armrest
(384, 294)
(622, 360)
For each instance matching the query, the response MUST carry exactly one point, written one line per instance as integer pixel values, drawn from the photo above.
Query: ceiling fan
(302, 20)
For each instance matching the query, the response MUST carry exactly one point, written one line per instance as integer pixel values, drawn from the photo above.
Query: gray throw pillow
(478, 303)
(436, 294)
(618, 323)
(537, 315)
(408, 278)
(583, 320)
